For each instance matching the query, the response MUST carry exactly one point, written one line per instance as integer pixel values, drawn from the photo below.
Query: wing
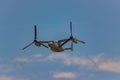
(45, 41)
(62, 40)
(59, 41)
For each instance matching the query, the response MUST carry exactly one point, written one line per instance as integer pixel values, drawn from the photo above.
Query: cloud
(110, 65)
(102, 64)
(68, 59)
(5, 77)
(28, 59)
(67, 75)
(8, 68)
(23, 59)
(98, 62)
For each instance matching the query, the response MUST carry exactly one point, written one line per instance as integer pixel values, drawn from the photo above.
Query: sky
(94, 21)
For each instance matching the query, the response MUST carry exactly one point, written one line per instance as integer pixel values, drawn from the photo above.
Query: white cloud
(23, 59)
(36, 56)
(110, 65)
(95, 63)
(67, 75)
(5, 77)
(8, 68)
(69, 59)
(28, 59)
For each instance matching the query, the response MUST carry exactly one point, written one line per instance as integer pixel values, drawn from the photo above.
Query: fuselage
(55, 47)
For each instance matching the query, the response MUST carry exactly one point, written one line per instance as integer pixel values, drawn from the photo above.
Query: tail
(71, 46)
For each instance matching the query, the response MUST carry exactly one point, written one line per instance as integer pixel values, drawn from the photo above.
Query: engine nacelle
(38, 44)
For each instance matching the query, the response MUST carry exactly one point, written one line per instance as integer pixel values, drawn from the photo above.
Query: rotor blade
(27, 46)
(35, 32)
(70, 35)
(38, 43)
(65, 42)
(71, 28)
(44, 45)
(81, 41)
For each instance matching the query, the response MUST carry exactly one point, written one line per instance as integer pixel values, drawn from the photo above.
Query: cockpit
(53, 43)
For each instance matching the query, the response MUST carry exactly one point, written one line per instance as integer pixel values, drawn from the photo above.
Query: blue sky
(94, 21)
